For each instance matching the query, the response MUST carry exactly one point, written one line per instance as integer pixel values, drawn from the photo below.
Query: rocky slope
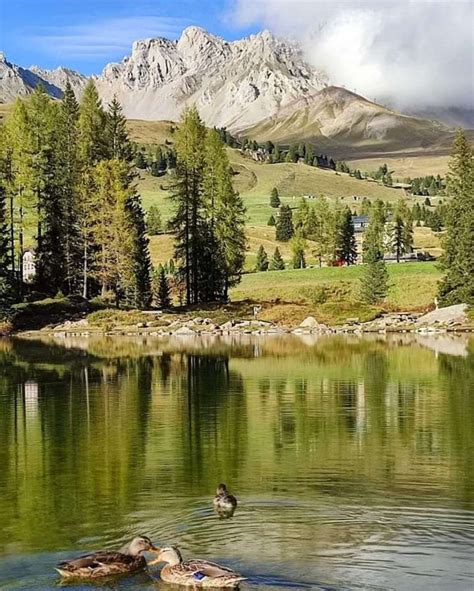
(345, 117)
(233, 84)
(259, 86)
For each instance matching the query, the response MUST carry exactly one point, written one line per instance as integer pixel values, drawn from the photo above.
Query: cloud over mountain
(407, 53)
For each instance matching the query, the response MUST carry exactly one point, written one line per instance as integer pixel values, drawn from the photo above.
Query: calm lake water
(352, 458)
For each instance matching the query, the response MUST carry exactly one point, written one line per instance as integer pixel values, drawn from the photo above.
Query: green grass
(412, 286)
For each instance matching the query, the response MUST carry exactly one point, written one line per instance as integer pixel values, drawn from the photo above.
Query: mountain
(259, 86)
(234, 84)
(343, 117)
(16, 81)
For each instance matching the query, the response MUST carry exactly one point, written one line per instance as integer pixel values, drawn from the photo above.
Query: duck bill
(155, 550)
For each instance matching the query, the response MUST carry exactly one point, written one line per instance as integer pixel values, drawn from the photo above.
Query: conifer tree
(284, 225)
(277, 263)
(298, 247)
(301, 217)
(261, 263)
(68, 177)
(225, 212)
(163, 295)
(92, 149)
(275, 198)
(6, 279)
(374, 280)
(346, 242)
(188, 221)
(457, 285)
(322, 232)
(271, 221)
(119, 145)
(153, 221)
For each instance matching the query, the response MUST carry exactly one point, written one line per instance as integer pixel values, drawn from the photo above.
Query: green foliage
(261, 263)
(271, 221)
(163, 293)
(346, 248)
(298, 248)
(153, 221)
(277, 263)
(457, 285)
(284, 226)
(275, 198)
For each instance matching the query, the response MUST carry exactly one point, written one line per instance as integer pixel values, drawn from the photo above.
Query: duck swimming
(194, 573)
(106, 563)
(224, 501)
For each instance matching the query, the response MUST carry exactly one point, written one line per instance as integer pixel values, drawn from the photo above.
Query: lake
(352, 458)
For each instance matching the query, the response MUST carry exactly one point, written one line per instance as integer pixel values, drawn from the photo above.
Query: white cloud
(411, 53)
(113, 36)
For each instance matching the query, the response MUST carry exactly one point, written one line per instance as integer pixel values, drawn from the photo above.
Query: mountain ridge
(259, 86)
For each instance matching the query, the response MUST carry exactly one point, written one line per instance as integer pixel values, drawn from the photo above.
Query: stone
(184, 331)
(309, 322)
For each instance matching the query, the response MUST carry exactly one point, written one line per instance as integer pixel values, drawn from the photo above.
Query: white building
(28, 266)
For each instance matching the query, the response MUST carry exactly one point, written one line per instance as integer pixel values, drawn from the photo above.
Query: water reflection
(348, 454)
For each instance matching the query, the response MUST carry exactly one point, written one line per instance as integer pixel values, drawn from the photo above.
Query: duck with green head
(105, 563)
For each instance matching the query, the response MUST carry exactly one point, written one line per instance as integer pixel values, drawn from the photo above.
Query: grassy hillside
(293, 294)
(405, 166)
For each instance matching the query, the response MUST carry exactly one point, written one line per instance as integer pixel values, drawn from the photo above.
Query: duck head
(141, 544)
(222, 489)
(171, 555)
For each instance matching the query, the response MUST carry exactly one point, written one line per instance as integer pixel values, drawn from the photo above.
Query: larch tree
(457, 285)
(277, 262)
(186, 194)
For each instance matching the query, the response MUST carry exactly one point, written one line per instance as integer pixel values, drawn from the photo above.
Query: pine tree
(188, 221)
(119, 145)
(284, 224)
(225, 212)
(374, 280)
(346, 242)
(92, 149)
(298, 247)
(163, 296)
(301, 217)
(275, 198)
(457, 285)
(68, 173)
(6, 279)
(261, 263)
(153, 221)
(277, 263)
(271, 221)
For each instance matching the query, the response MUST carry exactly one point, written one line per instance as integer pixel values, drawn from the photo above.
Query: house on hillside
(361, 223)
(28, 263)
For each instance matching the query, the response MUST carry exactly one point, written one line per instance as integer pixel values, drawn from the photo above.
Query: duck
(195, 572)
(224, 501)
(107, 563)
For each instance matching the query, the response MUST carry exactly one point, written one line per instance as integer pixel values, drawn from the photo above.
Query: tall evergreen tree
(457, 285)
(374, 280)
(68, 177)
(188, 221)
(153, 221)
(163, 296)
(92, 149)
(6, 279)
(346, 242)
(277, 263)
(284, 225)
(119, 145)
(226, 211)
(261, 263)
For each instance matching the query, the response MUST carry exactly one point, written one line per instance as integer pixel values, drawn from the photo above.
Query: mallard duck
(105, 563)
(194, 573)
(224, 501)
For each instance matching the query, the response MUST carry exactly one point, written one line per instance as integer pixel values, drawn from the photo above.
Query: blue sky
(87, 34)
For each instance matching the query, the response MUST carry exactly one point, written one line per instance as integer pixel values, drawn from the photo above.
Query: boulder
(184, 331)
(309, 322)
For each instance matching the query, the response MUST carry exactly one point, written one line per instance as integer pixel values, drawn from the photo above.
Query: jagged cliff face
(259, 86)
(233, 84)
(16, 81)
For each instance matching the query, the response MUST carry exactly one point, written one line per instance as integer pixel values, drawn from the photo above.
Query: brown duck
(194, 573)
(105, 563)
